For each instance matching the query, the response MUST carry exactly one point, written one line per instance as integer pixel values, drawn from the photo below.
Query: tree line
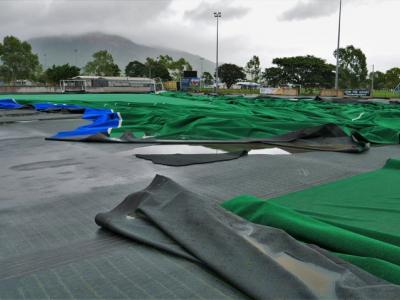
(19, 62)
(313, 72)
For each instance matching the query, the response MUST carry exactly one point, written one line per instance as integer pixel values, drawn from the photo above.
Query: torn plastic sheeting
(261, 261)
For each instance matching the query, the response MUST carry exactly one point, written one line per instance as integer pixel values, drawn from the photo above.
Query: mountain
(78, 49)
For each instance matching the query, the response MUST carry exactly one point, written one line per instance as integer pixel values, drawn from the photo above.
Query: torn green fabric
(357, 218)
(200, 117)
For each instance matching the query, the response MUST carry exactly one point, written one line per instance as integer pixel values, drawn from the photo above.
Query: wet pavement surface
(51, 191)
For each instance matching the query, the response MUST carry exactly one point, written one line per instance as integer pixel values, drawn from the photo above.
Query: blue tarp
(103, 120)
(52, 106)
(9, 104)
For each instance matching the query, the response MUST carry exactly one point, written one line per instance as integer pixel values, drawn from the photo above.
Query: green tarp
(184, 116)
(357, 218)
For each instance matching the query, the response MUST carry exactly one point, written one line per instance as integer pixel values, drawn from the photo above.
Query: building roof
(248, 83)
(122, 78)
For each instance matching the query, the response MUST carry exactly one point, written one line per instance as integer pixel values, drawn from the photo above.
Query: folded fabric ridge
(261, 261)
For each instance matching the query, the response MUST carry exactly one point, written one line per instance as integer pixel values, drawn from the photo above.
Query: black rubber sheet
(180, 160)
(263, 262)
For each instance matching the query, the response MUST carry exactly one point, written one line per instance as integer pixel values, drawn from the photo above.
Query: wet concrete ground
(50, 192)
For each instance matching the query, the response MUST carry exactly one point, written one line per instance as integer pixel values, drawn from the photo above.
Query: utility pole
(217, 15)
(201, 66)
(45, 60)
(76, 57)
(201, 71)
(338, 47)
(372, 79)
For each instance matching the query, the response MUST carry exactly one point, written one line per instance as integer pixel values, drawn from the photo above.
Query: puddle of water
(321, 281)
(206, 149)
(175, 149)
(269, 151)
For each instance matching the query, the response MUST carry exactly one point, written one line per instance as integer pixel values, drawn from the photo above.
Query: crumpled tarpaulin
(181, 117)
(10, 104)
(56, 107)
(329, 137)
(103, 120)
(261, 261)
(357, 218)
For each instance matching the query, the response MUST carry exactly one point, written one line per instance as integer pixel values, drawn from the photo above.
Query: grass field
(385, 94)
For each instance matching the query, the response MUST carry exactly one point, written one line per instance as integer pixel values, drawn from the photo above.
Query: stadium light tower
(76, 57)
(201, 71)
(338, 47)
(217, 15)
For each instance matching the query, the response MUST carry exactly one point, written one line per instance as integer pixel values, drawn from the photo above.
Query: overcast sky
(267, 28)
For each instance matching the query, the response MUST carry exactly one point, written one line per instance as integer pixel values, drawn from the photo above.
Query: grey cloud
(310, 9)
(142, 21)
(43, 17)
(204, 11)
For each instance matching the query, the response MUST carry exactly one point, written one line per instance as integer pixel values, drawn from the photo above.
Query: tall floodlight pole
(338, 47)
(217, 15)
(45, 60)
(201, 66)
(76, 57)
(372, 79)
(201, 71)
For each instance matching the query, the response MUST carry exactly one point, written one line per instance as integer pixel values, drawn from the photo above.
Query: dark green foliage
(253, 68)
(353, 69)
(136, 69)
(57, 73)
(18, 61)
(208, 78)
(164, 67)
(156, 69)
(102, 65)
(230, 74)
(379, 80)
(392, 78)
(388, 80)
(276, 76)
(176, 67)
(307, 71)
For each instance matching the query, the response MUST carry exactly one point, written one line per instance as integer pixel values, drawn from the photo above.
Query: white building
(108, 84)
